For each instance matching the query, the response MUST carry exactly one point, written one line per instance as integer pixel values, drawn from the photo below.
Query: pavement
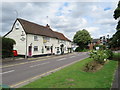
(116, 82)
(20, 72)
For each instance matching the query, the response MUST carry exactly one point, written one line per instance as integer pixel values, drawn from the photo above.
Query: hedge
(7, 47)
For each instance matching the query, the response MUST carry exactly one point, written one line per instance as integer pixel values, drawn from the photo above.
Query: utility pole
(26, 48)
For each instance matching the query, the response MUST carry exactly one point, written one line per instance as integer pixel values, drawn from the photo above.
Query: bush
(101, 47)
(109, 54)
(7, 47)
(99, 56)
(78, 49)
(92, 66)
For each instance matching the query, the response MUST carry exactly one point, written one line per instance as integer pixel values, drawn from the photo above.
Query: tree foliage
(82, 38)
(115, 40)
(118, 26)
(7, 47)
(117, 11)
(117, 15)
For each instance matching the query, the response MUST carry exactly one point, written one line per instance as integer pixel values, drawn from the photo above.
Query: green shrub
(7, 47)
(99, 55)
(109, 54)
(78, 49)
(92, 66)
(101, 47)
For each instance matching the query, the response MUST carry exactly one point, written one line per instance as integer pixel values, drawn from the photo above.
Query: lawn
(74, 77)
(116, 56)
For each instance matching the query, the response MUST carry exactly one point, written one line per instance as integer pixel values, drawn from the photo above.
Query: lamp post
(26, 48)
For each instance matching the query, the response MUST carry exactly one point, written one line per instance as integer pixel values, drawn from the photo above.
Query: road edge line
(41, 75)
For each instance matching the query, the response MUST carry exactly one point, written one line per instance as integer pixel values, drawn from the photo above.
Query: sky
(65, 17)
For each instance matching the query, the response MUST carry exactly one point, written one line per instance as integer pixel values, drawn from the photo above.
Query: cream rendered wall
(55, 44)
(21, 44)
(52, 42)
(32, 42)
(49, 44)
(64, 42)
(69, 44)
(40, 44)
(16, 35)
(65, 47)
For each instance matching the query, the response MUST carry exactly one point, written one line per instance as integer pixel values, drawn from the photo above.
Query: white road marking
(17, 85)
(72, 57)
(40, 64)
(7, 72)
(61, 59)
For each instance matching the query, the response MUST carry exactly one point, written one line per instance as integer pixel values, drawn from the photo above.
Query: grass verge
(74, 77)
(116, 56)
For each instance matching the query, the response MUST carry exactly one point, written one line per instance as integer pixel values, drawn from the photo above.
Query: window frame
(35, 48)
(17, 26)
(35, 38)
(46, 39)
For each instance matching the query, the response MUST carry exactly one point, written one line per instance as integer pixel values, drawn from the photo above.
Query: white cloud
(65, 17)
(107, 21)
(92, 29)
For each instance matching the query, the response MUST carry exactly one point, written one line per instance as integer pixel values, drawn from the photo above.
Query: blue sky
(60, 9)
(107, 8)
(65, 17)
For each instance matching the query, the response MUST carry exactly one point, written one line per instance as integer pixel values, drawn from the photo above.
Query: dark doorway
(30, 51)
(51, 49)
(61, 47)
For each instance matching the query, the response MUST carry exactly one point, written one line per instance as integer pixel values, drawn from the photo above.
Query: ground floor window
(35, 48)
(42, 49)
(47, 48)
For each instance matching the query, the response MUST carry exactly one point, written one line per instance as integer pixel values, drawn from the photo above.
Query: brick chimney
(48, 26)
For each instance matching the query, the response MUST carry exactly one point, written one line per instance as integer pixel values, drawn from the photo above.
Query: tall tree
(117, 15)
(115, 40)
(82, 38)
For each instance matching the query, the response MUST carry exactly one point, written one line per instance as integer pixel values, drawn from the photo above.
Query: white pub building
(33, 39)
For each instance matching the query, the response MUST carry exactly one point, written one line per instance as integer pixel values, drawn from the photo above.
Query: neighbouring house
(74, 46)
(33, 39)
(94, 42)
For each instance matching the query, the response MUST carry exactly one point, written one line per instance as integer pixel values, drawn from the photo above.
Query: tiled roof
(61, 36)
(33, 28)
(95, 40)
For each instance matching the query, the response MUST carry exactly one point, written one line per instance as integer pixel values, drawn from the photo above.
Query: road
(19, 73)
